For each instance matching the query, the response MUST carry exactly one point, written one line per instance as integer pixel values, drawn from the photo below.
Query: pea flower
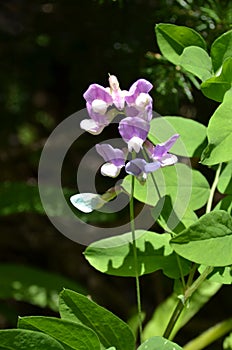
(114, 157)
(99, 104)
(139, 102)
(134, 131)
(160, 156)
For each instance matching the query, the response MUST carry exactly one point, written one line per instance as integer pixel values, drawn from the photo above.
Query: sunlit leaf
(208, 241)
(188, 146)
(225, 180)
(196, 61)
(219, 133)
(221, 49)
(216, 86)
(115, 255)
(173, 39)
(159, 343)
(111, 330)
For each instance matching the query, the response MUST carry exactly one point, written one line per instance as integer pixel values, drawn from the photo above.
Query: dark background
(50, 52)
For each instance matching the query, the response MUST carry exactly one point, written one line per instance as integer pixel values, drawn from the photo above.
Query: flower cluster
(103, 104)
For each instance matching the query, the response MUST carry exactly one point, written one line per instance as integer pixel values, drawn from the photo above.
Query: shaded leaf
(115, 255)
(111, 330)
(20, 339)
(204, 241)
(222, 275)
(71, 335)
(173, 39)
(162, 314)
(225, 180)
(164, 127)
(33, 285)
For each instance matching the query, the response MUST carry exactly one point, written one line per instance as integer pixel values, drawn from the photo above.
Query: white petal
(91, 126)
(135, 143)
(87, 202)
(142, 100)
(169, 159)
(99, 106)
(109, 169)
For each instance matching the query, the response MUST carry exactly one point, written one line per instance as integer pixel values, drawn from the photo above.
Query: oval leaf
(115, 255)
(159, 343)
(172, 40)
(111, 330)
(196, 61)
(164, 127)
(20, 339)
(71, 335)
(208, 241)
(216, 87)
(219, 133)
(221, 49)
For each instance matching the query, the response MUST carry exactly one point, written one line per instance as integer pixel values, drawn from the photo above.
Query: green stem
(209, 336)
(138, 294)
(182, 302)
(213, 189)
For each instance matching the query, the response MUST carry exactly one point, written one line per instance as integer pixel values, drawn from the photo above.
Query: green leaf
(111, 330)
(173, 39)
(227, 343)
(216, 87)
(225, 180)
(33, 285)
(196, 61)
(115, 256)
(163, 313)
(221, 49)
(188, 146)
(208, 241)
(222, 275)
(225, 204)
(168, 219)
(186, 187)
(71, 335)
(159, 343)
(219, 134)
(19, 339)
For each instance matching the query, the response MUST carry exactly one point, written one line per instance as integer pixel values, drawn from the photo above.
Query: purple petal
(97, 92)
(150, 167)
(162, 148)
(140, 86)
(110, 154)
(135, 167)
(133, 127)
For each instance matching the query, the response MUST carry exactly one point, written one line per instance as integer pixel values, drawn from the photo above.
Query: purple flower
(114, 157)
(140, 168)
(134, 131)
(139, 102)
(99, 103)
(160, 151)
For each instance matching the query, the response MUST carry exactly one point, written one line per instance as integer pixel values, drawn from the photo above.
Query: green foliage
(33, 285)
(72, 336)
(159, 343)
(19, 339)
(196, 61)
(173, 39)
(204, 241)
(187, 146)
(219, 133)
(115, 255)
(109, 328)
(221, 50)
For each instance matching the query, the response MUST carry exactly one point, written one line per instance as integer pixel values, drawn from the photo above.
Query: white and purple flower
(114, 158)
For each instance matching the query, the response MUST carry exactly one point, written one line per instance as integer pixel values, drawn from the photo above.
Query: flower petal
(111, 170)
(168, 159)
(87, 202)
(97, 92)
(91, 126)
(135, 167)
(133, 127)
(140, 86)
(111, 154)
(162, 148)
